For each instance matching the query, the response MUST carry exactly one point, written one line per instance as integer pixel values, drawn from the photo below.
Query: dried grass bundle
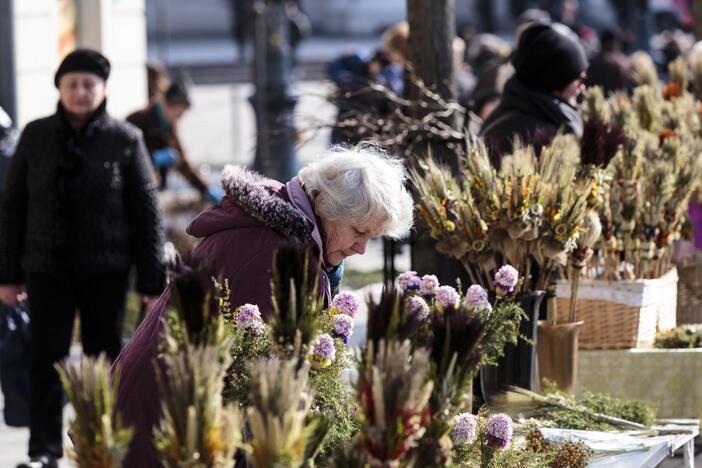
(283, 430)
(100, 439)
(643, 69)
(393, 390)
(196, 430)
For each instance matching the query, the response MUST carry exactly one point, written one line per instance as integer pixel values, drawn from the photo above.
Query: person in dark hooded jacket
(540, 99)
(334, 205)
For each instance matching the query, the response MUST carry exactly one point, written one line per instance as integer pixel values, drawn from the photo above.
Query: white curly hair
(360, 185)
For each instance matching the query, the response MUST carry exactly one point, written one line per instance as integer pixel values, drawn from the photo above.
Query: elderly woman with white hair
(335, 206)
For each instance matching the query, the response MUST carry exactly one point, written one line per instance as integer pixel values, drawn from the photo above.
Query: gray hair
(358, 185)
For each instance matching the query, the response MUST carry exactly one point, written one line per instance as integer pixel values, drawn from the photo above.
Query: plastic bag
(14, 363)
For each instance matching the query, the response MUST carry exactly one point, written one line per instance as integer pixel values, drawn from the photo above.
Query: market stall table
(635, 450)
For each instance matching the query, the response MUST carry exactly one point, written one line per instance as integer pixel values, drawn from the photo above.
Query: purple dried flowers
(408, 281)
(477, 298)
(342, 327)
(418, 307)
(506, 279)
(428, 285)
(445, 296)
(345, 303)
(323, 351)
(498, 431)
(248, 319)
(465, 428)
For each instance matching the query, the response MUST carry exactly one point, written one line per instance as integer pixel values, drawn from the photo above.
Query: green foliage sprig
(685, 336)
(583, 412)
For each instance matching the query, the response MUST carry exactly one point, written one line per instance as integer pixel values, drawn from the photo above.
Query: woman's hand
(10, 293)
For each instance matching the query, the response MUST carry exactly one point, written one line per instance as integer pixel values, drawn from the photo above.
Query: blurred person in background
(492, 64)
(157, 81)
(159, 124)
(667, 47)
(611, 67)
(469, 33)
(569, 15)
(463, 78)
(300, 26)
(8, 141)
(353, 72)
(242, 18)
(77, 211)
(540, 99)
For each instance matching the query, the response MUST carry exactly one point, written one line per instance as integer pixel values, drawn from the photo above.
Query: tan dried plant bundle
(100, 439)
(196, 429)
(590, 235)
(450, 210)
(529, 211)
(657, 188)
(695, 60)
(653, 176)
(621, 111)
(679, 76)
(284, 432)
(648, 107)
(594, 105)
(643, 69)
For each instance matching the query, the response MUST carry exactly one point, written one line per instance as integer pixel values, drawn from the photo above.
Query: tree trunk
(431, 33)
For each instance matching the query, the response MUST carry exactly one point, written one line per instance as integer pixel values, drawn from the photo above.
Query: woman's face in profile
(344, 240)
(81, 93)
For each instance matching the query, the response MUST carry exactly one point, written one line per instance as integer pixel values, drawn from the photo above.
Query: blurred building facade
(44, 31)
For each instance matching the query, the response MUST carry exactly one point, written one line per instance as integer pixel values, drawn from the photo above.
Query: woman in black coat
(540, 99)
(78, 210)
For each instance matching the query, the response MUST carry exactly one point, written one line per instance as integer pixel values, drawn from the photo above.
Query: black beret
(83, 60)
(547, 59)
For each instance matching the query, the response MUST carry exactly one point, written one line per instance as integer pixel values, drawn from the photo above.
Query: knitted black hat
(83, 60)
(547, 59)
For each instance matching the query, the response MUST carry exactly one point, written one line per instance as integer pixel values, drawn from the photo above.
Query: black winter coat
(81, 203)
(532, 116)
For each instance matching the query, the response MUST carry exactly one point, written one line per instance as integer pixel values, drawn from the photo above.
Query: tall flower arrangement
(393, 389)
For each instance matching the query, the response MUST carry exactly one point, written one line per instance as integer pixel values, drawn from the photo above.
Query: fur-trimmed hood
(252, 201)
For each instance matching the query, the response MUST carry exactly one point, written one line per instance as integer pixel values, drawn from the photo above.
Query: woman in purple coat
(335, 205)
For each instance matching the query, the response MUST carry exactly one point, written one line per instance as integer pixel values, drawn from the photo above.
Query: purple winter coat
(240, 236)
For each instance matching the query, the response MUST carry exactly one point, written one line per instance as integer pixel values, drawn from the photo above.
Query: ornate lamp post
(273, 100)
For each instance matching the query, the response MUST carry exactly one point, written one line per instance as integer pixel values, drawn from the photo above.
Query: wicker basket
(621, 314)
(690, 294)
